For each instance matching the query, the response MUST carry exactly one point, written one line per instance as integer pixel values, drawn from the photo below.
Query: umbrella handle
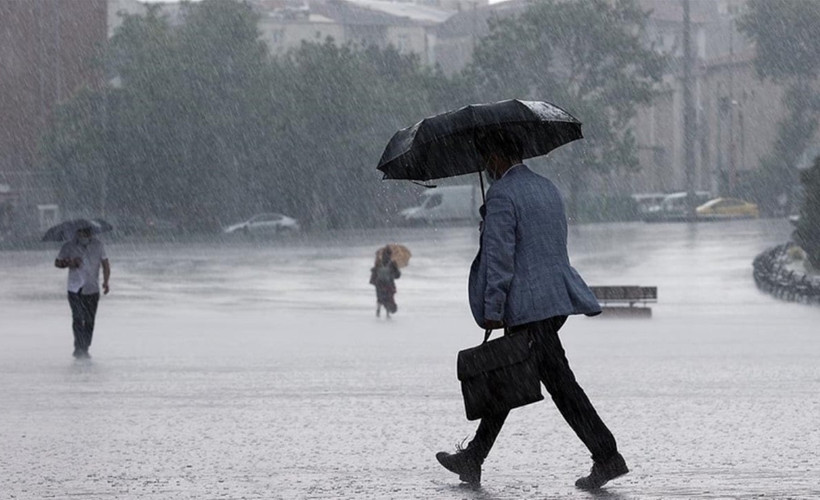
(481, 180)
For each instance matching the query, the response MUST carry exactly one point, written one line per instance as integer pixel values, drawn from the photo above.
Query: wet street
(258, 370)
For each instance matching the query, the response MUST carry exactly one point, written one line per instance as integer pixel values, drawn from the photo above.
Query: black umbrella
(67, 229)
(444, 145)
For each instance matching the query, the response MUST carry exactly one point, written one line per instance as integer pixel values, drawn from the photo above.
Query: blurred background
(189, 117)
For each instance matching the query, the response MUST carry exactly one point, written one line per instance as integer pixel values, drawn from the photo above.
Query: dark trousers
(83, 312)
(569, 397)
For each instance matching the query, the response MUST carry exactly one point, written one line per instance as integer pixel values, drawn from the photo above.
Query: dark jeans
(569, 397)
(83, 312)
(384, 296)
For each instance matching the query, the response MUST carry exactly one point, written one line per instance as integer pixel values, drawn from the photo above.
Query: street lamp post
(688, 113)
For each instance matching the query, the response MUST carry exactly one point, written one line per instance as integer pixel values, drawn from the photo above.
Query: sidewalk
(359, 411)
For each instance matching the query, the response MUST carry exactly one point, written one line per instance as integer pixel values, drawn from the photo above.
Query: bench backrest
(625, 293)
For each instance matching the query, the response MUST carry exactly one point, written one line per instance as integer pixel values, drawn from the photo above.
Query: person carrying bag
(522, 280)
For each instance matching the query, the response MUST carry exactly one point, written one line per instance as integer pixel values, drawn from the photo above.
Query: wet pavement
(259, 371)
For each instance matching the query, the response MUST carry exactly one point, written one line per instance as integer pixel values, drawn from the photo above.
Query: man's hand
(491, 324)
(106, 289)
(69, 263)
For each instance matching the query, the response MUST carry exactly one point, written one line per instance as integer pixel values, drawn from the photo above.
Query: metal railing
(771, 276)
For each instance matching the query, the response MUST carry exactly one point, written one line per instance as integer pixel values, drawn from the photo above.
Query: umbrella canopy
(400, 254)
(444, 145)
(67, 229)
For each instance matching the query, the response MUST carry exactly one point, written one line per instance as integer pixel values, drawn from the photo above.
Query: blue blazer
(522, 272)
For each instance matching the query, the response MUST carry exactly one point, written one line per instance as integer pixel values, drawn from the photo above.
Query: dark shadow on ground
(603, 494)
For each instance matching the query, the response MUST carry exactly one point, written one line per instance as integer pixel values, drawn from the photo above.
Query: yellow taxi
(728, 208)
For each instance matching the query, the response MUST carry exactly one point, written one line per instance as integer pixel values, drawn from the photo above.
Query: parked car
(728, 208)
(265, 223)
(445, 204)
(646, 201)
(673, 207)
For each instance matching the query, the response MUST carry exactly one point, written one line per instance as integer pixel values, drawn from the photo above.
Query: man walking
(83, 255)
(521, 280)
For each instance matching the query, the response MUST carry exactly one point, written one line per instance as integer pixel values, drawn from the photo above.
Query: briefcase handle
(488, 332)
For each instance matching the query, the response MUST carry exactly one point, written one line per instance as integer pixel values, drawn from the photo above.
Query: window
(403, 42)
(277, 36)
(433, 201)
(49, 215)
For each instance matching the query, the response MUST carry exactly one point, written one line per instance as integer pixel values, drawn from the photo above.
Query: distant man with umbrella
(83, 255)
(521, 280)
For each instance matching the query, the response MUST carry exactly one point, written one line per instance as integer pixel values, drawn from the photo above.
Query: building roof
(471, 21)
(700, 11)
(416, 12)
(378, 12)
(474, 21)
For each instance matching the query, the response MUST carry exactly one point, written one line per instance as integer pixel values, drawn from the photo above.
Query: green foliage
(785, 36)
(776, 179)
(808, 226)
(343, 105)
(788, 52)
(205, 128)
(76, 150)
(587, 56)
(607, 208)
(180, 135)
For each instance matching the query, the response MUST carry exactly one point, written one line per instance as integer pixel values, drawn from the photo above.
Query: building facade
(47, 48)
(406, 26)
(736, 113)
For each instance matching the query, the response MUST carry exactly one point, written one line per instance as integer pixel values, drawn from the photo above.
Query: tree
(342, 106)
(785, 36)
(787, 52)
(587, 56)
(187, 129)
(75, 152)
(205, 127)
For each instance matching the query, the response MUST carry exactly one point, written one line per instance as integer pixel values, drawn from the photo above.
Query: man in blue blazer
(521, 280)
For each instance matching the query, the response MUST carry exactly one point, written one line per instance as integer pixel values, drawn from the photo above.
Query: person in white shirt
(83, 256)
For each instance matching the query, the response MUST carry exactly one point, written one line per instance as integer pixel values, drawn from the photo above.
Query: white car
(267, 223)
(443, 204)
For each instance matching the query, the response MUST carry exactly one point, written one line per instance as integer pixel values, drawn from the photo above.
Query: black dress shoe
(602, 473)
(462, 463)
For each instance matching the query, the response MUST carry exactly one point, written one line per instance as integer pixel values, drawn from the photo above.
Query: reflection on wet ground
(259, 370)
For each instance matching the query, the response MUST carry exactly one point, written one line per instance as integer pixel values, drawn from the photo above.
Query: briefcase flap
(492, 355)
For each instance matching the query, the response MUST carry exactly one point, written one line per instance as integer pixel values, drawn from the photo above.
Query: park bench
(626, 300)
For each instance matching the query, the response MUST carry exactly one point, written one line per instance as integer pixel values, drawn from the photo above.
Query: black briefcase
(498, 375)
